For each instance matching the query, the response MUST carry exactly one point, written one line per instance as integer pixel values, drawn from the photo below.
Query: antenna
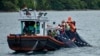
(35, 4)
(35, 9)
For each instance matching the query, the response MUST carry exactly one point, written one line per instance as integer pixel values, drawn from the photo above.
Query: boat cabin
(33, 26)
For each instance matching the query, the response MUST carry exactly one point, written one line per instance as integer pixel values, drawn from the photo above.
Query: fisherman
(37, 27)
(29, 28)
(67, 27)
(53, 33)
(62, 27)
(49, 32)
(27, 12)
(71, 24)
(33, 26)
(25, 30)
(58, 27)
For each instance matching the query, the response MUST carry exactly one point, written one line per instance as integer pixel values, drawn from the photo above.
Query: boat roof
(39, 20)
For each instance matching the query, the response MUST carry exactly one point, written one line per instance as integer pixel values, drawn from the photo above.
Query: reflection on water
(87, 23)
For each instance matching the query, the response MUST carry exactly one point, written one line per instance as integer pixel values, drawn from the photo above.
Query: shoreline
(57, 10)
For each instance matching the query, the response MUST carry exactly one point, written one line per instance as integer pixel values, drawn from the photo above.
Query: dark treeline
(15, 5)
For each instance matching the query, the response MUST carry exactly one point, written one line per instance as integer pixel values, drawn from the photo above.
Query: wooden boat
(28, 42)
(37, 39)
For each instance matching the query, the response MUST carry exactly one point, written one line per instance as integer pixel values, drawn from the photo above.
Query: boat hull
(32, 43)
(40, 43)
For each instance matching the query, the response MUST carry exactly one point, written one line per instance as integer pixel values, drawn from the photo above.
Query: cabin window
(30, 27)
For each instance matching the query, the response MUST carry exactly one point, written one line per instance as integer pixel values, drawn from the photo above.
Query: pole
(43, 28)
(21, 27)
(35, 9)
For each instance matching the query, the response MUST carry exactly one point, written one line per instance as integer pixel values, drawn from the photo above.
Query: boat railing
(33, 15)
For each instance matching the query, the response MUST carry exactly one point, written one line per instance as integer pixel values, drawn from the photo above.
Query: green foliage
(95, 4)
(8, 6)
(13, 5)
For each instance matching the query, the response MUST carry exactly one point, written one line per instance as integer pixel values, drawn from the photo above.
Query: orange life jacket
(72, 26)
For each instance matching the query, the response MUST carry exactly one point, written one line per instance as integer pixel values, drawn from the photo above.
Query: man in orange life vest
(71, 24)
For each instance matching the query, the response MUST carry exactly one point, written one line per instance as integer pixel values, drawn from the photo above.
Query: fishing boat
(34, 36)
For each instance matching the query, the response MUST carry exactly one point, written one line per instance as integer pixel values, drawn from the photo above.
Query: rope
(35, 45)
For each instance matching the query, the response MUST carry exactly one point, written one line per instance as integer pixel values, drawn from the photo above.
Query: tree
(8, 6)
